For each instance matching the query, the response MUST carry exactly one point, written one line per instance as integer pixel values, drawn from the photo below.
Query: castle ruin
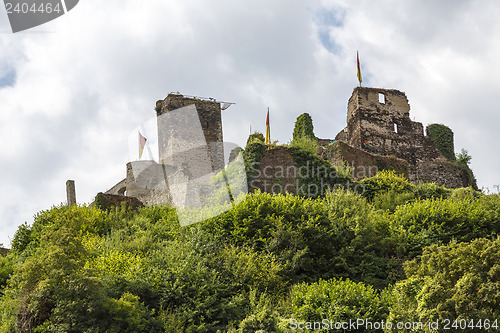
(378, 122)
(191, 151)
(379, 134)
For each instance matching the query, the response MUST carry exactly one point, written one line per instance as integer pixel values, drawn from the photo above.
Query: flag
(268, 131)
(142, 143)
(359, 69)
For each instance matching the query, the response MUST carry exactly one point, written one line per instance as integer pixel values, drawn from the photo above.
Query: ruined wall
(145, 181)
(277, 172)
(441, 172)
(364, 164)
(378, 122)
(191, 151)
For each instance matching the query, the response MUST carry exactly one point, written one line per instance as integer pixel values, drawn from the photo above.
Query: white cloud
(84, 81)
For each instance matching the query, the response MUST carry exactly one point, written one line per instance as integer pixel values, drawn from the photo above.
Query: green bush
(431, 191)
(6, 270)
(442, 136)
(268, 259)
(306, 143)
(456, 281)
(255, 137)
(335, 300)
(463, 162)
(316, 176)
(303, 128)
(384, 181)
(438, 221)
(336, 236)
(391, 199)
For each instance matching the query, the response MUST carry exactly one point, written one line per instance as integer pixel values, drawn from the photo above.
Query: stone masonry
(378, 122)
(191, 150)
(379, 135)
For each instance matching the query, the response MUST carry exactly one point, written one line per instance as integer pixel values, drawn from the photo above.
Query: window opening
(381, 98)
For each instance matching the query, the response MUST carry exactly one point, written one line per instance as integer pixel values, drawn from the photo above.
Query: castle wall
(378, 121)
(364, 164)
(146, 182)
(277, 172)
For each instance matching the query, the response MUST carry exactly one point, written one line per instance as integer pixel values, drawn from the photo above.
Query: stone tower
(179, 134)
(378, 122)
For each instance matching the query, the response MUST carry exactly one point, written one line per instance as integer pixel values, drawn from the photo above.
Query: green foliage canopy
(303, 127)
(457, 281)
(442, 136)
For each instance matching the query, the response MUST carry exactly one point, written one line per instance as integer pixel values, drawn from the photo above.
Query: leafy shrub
(336, 236)
(336, 300)
(303, 128)
(438, 221)
(6, 270)
(77, 218)
(391, 199)
(431, 191)
(252, 156)
(255, 137)
(316, 176)
(384, 181)
(262, 317)
(268, 259)
(456, 281)
(442, 136)
(306, 143)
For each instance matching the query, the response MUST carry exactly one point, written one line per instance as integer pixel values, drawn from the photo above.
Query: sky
(73, 90)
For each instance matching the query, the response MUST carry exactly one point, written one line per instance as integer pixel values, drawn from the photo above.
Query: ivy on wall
(442, 136)
(253, 154)
(317, 175)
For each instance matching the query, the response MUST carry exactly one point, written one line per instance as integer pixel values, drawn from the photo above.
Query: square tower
(179, 119)
(378, 120)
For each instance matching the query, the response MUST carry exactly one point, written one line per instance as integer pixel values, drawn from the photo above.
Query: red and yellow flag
(142, 143)
(360, 79)
(268, 131)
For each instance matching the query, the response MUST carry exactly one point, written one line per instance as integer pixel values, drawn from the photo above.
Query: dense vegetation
(442, 136)
(397, 252)
(303, 127)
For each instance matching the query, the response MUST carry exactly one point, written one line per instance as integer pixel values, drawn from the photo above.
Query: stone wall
(277, 172)
(441, 172)
(182, 133)
(364, 164)
(108, 201)
(378, 122)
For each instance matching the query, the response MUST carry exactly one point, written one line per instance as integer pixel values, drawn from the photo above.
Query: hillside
(399, 252)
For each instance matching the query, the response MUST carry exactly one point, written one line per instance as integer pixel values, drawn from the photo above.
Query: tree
(464, 157)
(457, 281)
(304, 128)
